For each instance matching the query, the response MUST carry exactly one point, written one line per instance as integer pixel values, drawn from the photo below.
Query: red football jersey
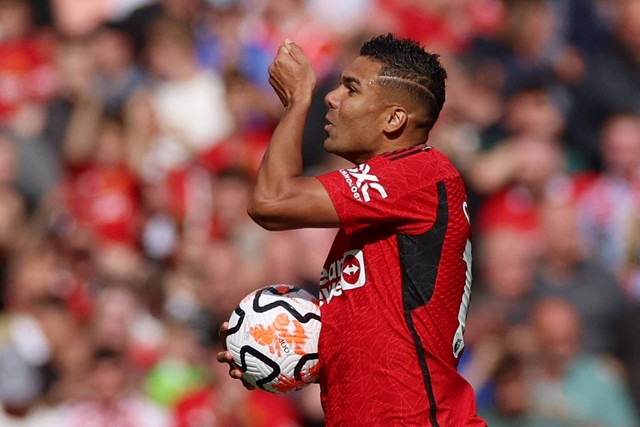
(394, 294)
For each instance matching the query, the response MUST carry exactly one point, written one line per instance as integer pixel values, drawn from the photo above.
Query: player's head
(409, 71)
(388, 98)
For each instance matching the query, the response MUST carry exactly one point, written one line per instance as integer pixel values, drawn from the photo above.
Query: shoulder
(597, 370)
(392, 176)
(428, 162)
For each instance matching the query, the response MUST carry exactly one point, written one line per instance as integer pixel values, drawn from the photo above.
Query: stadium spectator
(111, 399)
(502, 298)
(139, 21)
(573, 383)
(522, 50)
(26, 71)
(565, 270)
(188, 103)
(117, 76)
(513, 401)
(222, 403)
(25, 350)
(599, 95)
(608, 208)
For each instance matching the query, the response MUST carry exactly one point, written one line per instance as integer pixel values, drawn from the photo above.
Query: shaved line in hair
(423, 96)
(411, 83)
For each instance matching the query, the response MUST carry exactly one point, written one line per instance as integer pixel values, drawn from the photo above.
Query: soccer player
(395, 287)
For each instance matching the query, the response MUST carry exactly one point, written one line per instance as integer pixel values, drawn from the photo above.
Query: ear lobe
(396, 120)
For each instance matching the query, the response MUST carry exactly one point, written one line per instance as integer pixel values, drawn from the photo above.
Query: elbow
(262, 213)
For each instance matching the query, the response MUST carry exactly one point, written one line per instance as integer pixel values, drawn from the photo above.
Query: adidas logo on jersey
(361, 181)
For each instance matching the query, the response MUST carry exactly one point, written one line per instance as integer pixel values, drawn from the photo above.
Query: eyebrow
(350, 79)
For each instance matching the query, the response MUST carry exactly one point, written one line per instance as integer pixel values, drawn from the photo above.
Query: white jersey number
(458, 337)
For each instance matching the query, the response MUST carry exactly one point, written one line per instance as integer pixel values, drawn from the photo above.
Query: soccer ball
(273, 338)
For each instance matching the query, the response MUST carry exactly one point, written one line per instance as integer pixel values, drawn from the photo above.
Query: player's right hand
(226, 357)
(291, 74)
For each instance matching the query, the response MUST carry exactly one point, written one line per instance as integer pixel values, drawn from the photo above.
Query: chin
(327, 144)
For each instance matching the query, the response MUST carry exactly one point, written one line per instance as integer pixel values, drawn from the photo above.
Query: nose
(331, 99)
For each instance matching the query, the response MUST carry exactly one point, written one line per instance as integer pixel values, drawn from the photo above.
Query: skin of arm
(80, 135)
(282, 198)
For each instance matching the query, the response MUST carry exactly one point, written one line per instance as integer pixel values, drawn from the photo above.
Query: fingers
(224, 328)
(222, 333)
(287, 45)
(247, 385)
(286, 52)
(234, 371)
(292, 49)
(236, 374)
(224, 357)
(291, 74)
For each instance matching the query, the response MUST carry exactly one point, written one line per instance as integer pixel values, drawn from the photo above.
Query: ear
(397, 119)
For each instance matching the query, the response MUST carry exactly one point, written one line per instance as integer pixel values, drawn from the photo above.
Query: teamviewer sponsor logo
(344, 274)
(361, 181)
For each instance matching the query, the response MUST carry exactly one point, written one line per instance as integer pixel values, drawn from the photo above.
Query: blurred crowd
(130, 134)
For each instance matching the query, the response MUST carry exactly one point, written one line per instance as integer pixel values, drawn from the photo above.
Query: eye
(351, 90)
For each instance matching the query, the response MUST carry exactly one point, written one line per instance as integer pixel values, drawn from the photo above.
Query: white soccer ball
(273, 338)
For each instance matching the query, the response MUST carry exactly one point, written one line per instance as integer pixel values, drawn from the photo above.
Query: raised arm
(283, 198)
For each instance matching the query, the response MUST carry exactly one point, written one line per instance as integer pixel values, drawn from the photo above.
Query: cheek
(353, 132)
(358, 117)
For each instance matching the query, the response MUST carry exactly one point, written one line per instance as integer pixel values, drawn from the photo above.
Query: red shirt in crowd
(105, 200)
(206, 408)
(26, 74)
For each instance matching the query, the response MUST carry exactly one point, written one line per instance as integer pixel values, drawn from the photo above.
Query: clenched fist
(291, 75)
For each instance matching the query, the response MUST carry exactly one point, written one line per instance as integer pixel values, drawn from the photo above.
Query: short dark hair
(412, 67)
(106, 354)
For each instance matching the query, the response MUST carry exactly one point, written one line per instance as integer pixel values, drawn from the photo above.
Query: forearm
(282, 161)
(283, 198)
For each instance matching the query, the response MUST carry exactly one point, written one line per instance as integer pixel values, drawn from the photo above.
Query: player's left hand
(291, 74)
(226, 357)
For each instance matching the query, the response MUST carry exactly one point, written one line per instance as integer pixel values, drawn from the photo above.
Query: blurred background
(130, 134)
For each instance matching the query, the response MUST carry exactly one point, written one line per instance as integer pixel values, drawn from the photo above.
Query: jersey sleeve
(382, 193)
